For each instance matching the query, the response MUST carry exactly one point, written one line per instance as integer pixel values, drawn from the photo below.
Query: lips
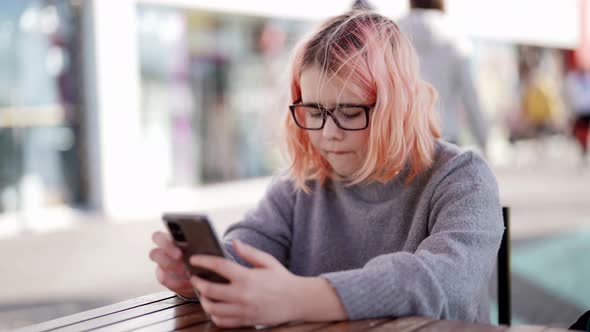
(338, 152)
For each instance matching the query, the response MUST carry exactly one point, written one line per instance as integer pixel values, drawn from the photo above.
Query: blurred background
(112, 112)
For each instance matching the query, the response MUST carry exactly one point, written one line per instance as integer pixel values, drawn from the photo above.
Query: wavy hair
(369, 51)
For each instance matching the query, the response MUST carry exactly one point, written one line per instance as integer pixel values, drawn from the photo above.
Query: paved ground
(94, 262)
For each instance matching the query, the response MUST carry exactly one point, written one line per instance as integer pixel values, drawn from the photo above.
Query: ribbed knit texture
(427, 248)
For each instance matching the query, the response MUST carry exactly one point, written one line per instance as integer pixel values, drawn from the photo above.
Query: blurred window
(211, 92)
(39, 105)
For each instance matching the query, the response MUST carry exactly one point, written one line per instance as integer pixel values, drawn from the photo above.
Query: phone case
(193, 234)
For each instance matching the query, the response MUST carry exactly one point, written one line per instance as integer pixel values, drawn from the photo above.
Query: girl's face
(345, 150)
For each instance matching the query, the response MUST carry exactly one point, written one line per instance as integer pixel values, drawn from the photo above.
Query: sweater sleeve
(268, 226)
(444, 277)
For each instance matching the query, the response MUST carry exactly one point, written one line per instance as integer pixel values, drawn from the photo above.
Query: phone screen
(193, 234)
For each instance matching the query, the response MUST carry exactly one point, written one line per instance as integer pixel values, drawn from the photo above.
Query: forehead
(325, 88)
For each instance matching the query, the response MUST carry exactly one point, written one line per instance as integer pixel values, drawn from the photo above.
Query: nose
(331, 130)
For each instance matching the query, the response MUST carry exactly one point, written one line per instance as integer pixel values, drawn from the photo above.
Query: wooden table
(166, 312)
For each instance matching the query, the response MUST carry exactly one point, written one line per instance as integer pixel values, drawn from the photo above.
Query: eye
(351, 113)
(314, 112)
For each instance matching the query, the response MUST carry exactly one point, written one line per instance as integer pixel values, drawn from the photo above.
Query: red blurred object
(580, 57)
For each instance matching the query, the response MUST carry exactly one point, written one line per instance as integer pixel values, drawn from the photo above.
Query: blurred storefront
(179, 96)
(40, 106)
(210, 92)
(170, 95)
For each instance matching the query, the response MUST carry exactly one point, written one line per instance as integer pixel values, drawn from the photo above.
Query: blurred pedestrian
(577, 95)
(539, 103)
(361, 5)
(444, 62)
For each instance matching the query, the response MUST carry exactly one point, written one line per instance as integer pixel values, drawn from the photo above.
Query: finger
(173, 281)
(158, 256)
(257, 258)
(164, 241)
(228, 269)
(220, 309)
(226, 322)
(215, 291)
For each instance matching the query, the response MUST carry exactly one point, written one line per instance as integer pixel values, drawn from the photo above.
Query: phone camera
(176, 232)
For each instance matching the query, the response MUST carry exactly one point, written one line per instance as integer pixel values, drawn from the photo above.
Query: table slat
(532, 328)
(149, 319)
(208, 326)
(404, 324)
(98, 312)
(456, 325)
(299, 327)
(122, 316)
(353, 326)
(179, 323)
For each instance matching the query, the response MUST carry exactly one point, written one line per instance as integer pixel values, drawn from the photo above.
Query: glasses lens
(351, 117)
(308, 117)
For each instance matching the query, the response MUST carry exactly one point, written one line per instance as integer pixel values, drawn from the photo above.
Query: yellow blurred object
(540, 103)
(39, 116)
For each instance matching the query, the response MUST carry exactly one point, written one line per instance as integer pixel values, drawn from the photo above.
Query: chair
(504, 307)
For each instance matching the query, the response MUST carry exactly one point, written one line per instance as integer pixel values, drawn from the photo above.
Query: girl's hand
(263, 295)
(170, 271)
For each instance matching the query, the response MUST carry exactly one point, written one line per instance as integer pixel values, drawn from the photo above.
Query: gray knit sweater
(427, 248)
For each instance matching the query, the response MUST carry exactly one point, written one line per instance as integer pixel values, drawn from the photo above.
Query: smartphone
(193, 234)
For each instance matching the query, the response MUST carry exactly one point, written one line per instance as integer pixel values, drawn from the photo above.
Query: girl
(376, 216)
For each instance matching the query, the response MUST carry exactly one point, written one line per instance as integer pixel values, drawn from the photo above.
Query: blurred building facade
(122, 106)
(41, 140)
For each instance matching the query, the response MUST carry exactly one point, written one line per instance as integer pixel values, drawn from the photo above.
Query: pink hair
(369, 51)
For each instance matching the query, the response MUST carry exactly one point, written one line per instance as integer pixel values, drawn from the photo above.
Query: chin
(344, 168)
(341, 172)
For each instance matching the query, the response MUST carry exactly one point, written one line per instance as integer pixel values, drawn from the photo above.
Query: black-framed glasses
(346, 116)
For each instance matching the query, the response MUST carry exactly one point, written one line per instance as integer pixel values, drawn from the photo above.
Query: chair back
(504, 304)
